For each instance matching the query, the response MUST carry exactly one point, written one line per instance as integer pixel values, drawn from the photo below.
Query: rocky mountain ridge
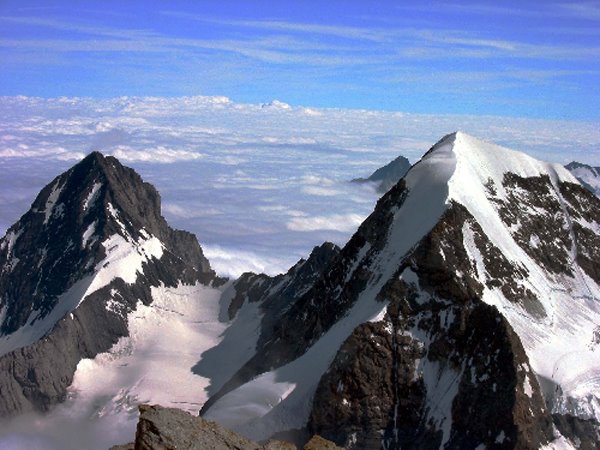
(387, 176)
(90, 248)
(456, 264)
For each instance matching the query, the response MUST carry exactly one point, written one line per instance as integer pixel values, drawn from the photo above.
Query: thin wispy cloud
(587, 9)
(480, 9)
(81, 28)
(333, 60)
(347, 32)
(582, 10)
(277, 48)
(408, 38)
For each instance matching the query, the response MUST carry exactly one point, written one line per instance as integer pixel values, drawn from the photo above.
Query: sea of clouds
(259, 185)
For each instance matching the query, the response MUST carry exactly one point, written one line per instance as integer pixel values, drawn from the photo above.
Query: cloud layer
(259, 184)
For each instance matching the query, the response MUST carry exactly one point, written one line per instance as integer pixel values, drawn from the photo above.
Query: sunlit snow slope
(561, 338)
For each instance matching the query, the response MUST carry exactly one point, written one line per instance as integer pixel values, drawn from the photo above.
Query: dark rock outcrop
(586, 433)
(281, 291)
(435, 362)
(584, 208)
(318, 443)
(387, 176)
(169, 428)
(162, 428)
(130, 446)
(535, 215)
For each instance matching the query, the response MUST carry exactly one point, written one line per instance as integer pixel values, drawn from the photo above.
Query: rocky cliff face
(452, 318)
(423, 375)
(281, 291)
(91, 246)
(275, 297)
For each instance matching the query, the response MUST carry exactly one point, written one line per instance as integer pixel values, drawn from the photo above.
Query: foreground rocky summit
(169, 428)
(71, 269)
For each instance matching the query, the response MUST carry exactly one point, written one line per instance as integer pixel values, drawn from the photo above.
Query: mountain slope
(387, 176)
(71, 269)
(587, 175)
(253, 305)
(462, 313)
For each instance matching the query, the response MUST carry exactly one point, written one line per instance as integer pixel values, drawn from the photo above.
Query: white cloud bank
(259, 184)
(336, 222)
(156, 155)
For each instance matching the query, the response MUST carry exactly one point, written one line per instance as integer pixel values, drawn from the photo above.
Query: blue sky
(526, 59)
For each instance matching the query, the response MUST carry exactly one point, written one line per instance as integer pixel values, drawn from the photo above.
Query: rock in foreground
(162, 428)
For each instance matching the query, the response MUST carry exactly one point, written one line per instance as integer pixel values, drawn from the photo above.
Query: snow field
(153, 364)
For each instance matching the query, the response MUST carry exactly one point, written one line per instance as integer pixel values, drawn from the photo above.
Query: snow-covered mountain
(87, 253)
(587, 175)
(464, 313)
(387, 176)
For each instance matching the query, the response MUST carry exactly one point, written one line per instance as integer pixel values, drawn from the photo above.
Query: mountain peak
(94, 155)
(387, 176)
(470, 289)
(92, 246)
(587, 175)
(473, 160)
(74, 224)
(96, 161)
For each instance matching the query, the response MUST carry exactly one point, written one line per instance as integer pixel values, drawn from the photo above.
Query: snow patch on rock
(88, 233)
(91, 198)
(51, 201)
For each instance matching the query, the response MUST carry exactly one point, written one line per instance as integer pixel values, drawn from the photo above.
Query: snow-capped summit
(276, 104)
(463, 313)
(91, 246)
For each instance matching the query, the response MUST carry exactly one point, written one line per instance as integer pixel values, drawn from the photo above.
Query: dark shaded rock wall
(437, 339)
